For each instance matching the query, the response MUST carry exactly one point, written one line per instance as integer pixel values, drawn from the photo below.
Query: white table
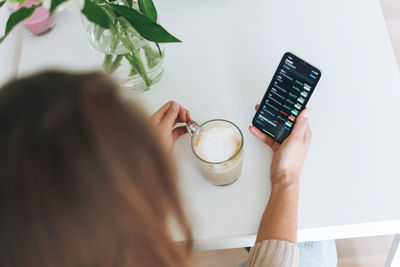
(350, 184)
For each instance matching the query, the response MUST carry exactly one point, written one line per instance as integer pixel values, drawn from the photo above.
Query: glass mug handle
(192, 127)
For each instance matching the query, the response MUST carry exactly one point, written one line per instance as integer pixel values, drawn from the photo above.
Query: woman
(85, 180)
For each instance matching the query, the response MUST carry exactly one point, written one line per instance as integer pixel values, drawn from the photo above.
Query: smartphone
(287, 95)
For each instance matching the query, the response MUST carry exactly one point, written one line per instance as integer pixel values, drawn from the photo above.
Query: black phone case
(270, 88)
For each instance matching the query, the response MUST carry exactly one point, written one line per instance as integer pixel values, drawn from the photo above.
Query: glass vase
(135, 62)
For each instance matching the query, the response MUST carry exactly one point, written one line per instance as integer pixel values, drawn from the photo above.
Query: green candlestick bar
(287, 107)
(299, 83)
(288, 124)
(290, 101)
(280, 118)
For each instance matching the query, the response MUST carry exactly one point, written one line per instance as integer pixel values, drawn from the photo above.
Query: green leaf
(148, 9)
(54, 4)
(16, 17)
(95, 14)
(17, 1)
(145, 26)
(2, 3)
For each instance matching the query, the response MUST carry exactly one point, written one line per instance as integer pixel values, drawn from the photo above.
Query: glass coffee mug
(218, 148)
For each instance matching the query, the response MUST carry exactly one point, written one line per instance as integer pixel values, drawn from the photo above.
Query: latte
(218, 143)
(218, 147)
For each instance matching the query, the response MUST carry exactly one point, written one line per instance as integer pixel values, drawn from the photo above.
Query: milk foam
(218, 143)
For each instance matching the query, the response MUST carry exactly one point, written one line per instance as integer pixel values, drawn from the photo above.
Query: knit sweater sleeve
(273, 253)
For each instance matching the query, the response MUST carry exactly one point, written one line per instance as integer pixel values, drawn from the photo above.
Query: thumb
(171, 115)
(301, 124)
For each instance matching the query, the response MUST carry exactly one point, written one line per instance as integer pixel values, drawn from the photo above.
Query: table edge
(312, 234)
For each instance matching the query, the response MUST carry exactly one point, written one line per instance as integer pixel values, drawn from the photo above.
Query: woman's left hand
(165, 120)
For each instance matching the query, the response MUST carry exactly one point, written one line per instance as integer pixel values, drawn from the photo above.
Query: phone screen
(287, 95)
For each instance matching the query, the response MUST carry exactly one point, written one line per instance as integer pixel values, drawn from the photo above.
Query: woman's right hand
(165, 120)
(289, 156)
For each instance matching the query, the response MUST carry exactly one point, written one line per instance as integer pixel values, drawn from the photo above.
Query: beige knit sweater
(273, 253)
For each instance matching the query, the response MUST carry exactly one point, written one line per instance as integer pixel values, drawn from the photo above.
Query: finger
(160, 113)
(171, 115)
(183, 115)
(178, 132)
(262, 137)
(301, 124)
(257, 106)
(308, 135)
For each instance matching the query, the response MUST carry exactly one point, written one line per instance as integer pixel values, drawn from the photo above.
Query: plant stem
(136, 61)
(136, 52)
(133, 63)
(115, 64)
(107, 62)
(98, 31)
(142, 69)
(159, 49)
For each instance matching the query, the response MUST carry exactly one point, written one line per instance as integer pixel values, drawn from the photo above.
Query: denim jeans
(315, 254)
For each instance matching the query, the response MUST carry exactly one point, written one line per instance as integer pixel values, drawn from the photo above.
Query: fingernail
(175, 106)
(306, 113)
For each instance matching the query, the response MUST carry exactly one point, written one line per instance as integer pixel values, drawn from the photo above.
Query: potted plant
(125, 31)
